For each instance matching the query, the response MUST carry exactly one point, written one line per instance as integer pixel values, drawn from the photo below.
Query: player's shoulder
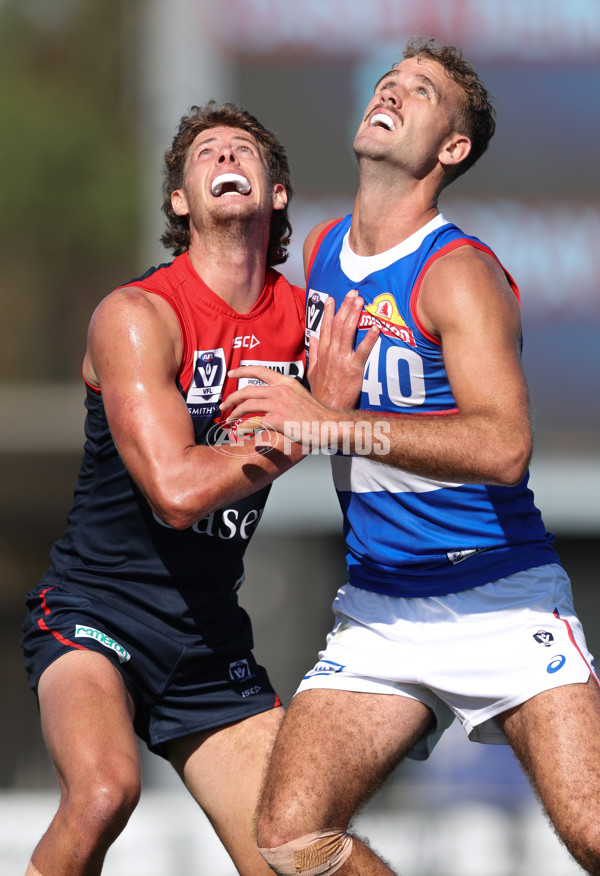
(127, 302)
(462, 282)
(313, 238)
(131, 312)
(470, 265)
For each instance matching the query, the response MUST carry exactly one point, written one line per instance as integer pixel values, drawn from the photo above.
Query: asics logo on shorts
(556, 663)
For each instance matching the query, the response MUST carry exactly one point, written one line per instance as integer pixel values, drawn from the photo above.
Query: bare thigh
(334, 749)
(556, 736)
(223, 769)
(86, 716)
(87, 720)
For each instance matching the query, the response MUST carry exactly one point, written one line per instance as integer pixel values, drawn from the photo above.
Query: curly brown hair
(211, 115)
(476, 116)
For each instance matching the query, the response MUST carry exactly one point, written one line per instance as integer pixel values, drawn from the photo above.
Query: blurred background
(91, 92)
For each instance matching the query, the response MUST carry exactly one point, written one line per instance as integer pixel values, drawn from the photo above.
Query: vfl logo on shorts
(82, 632)
(543, 637)
(325, 667)
(240, 670)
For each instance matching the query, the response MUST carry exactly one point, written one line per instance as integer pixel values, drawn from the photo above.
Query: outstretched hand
(336, 369)
(335, 375)
(280, 402)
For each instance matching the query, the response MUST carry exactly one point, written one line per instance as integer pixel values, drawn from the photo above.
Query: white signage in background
(536, 30)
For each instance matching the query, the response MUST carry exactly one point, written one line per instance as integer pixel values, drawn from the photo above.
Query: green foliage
(69, 199)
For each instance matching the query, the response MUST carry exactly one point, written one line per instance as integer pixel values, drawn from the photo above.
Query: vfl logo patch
(315, 302)
(544, 638)
(240, 670)
(82, 632)
(208, 377)
(325, 667)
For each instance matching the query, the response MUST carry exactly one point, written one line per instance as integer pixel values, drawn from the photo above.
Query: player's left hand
(336, 369)
(281, 402)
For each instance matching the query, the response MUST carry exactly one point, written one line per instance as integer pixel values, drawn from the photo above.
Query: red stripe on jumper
(573, 642)
(315, 249)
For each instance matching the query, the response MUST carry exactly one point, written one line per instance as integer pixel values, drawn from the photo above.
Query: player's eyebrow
(390, 73)
(244, 138)
(429, 82)
(422, 77)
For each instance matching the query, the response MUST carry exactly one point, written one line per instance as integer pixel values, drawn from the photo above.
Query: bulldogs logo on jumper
(384, 313)
(208, 377)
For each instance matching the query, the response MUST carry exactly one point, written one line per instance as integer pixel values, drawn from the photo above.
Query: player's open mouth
(230, 184)
(382, 120)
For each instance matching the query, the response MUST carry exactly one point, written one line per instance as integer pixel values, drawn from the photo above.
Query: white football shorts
(470, 655)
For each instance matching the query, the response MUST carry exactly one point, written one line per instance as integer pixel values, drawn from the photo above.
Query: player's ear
(280, 197)
(179, 203)
(455, 150)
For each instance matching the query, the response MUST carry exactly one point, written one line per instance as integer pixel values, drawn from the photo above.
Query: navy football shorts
(181, 683)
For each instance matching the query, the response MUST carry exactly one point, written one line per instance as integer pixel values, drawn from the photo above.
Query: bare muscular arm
(466, 301)
(133, 355)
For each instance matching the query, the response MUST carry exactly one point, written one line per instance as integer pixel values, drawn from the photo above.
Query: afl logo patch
(208, 377)
(315, 302)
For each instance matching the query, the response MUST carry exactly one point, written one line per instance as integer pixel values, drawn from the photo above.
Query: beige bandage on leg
(315, 854)
(32, 871)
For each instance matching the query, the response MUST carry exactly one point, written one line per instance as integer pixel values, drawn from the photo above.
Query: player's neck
(233, 269)
(390, 205)
(380, 222)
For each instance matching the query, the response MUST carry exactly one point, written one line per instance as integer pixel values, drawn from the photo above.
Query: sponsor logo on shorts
(249, 692)
(543, 637)
(325, 667)
(240, 670)
(556, 663)
(82, 632)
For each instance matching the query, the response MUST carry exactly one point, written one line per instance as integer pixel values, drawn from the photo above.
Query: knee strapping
(315, 854)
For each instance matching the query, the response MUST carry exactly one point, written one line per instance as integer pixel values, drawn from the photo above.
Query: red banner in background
(535, 30)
